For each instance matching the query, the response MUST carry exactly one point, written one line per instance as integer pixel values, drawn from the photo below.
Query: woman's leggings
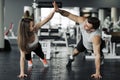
(38, 52)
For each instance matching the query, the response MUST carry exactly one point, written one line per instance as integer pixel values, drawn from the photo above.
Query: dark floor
(81, 69)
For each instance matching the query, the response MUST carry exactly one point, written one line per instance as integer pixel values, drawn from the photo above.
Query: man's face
(88, 26)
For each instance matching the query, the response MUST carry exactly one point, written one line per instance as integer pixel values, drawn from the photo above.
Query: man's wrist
(59, 11)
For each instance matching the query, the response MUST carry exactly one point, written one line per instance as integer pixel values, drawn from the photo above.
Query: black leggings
(38, 52)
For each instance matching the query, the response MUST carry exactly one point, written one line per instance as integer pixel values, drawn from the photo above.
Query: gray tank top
(87, 37)
(33, 44)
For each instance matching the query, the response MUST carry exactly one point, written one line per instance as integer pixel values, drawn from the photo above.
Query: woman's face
(31, 26)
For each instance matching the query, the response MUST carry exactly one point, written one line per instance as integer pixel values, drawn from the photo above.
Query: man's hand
(96, 76)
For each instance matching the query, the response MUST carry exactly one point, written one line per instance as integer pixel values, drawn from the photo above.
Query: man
(91, 38)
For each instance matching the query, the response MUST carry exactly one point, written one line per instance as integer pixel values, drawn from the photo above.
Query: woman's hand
(96, 76)
(22, 75)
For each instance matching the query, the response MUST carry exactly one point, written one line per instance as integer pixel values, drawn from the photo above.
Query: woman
(28, 41)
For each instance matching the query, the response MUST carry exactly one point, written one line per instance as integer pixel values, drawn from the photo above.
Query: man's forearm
(71, 16)
(63, 12)
(97, 64)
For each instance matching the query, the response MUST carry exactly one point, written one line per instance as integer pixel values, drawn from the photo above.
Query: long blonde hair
(24, 33)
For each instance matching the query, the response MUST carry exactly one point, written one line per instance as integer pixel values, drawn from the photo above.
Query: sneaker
(30, 63)
(70, 60)
(44, 61)
(102, 60)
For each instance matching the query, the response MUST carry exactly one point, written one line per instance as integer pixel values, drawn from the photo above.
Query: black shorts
(80, 47)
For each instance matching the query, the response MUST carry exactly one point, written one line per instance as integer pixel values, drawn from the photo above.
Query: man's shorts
(80, 47)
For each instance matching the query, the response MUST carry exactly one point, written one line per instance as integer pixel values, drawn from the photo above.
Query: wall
(14, 8)
(89, 3)
(14, 11)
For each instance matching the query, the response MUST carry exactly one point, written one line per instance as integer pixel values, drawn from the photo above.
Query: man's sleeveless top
(88, 36)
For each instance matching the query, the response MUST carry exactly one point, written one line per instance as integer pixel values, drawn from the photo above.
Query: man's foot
(44, 61)
(70, 60)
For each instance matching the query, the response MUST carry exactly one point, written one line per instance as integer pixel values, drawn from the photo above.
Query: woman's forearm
(22, 63)
(41, 23)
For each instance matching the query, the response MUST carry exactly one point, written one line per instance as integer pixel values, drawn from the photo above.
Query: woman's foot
(30, 63)
(44, 61)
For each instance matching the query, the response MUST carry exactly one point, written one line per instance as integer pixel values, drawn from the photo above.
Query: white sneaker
(30, 64)
(45, 65)
(44, 61)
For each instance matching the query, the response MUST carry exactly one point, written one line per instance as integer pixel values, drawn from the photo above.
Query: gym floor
(81, 69)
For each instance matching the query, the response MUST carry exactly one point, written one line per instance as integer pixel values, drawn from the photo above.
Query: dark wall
(13, 11)
(14, 8)
(89, 3)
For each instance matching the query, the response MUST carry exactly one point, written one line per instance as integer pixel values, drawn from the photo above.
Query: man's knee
(75, 52)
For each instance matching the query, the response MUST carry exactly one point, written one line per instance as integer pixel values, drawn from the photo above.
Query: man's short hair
(94, 21)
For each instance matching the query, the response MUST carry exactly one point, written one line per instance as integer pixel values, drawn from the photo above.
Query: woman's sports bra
(34, 44)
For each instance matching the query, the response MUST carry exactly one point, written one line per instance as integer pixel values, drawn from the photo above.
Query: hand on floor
(96, 76)
(22, 75)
